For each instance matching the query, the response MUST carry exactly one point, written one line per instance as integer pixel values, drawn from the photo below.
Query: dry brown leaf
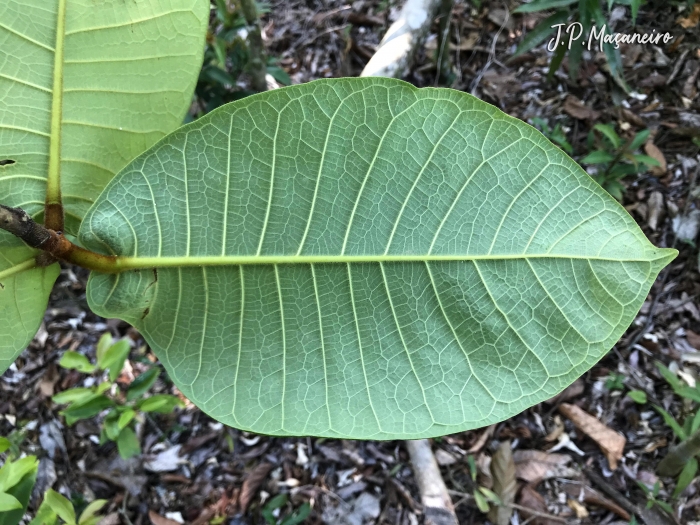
(251, 484)
(592, 497)
(611, 443)
(693, 339)
(479, 443)
(691, 20)
(157, 519)
(580, 510)
(531, 499)
(655, 207)
(504, 483)
(534, 466)
(577, 109)
(572, 391)
(655, 153)
(557, 431)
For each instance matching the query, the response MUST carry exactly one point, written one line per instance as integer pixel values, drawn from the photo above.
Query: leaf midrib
(124, 263)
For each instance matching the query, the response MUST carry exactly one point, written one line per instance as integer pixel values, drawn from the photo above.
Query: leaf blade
(356, 293)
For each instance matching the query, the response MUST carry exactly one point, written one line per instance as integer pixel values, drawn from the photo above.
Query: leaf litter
(373, 482)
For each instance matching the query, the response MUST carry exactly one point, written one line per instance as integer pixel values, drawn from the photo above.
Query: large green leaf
(85, 86)
(364, 259)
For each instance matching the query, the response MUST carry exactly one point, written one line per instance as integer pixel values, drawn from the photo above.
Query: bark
(437, 504)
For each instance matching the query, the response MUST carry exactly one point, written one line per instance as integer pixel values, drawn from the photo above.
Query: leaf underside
(128, 69)
(552, 269)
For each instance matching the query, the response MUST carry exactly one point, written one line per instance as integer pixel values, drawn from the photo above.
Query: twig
(468, 497)
(437, 504)
(492, 53)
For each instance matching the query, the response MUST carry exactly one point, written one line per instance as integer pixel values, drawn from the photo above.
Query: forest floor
(570, 470)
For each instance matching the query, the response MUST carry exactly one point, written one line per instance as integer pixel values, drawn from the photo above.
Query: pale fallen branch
(437, 504)
(404, 37)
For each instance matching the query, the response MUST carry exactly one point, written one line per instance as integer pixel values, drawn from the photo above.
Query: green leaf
(597, 157)
(481, 502)
(21, 491)
(540, 33)
(639, 139)
(8, 502)
(4, 444)
(24, 290)
(161, 403)
(685, 477)
(114, 358)
(85, 87)
(638, 396)
(73, 395)
(142, 384)
(128, 444)
(12, 472)
(125, 418)
(361, 258)
(45, 515)
(672, 423)
(60, 505)
(543, 5)
(85, 410)
(76, 361)
(91, 511)
(609, 133)
(103, 345)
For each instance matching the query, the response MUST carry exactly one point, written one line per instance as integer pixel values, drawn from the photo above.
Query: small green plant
(123, 409)
(574, 26)
(17, 478)
(272, 509)
(227, 55)
(483, 497)
(652, 495)
(555, 134)
(615, 158)
(55, 507)
(681, 459)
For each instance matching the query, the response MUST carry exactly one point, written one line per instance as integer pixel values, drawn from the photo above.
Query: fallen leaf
(479, 443)
(580, 510)
(655, 153)
(611, 443)
(655, 206)
(504, 483)
(531, 499)
(165, 461)
(577, 109)
(534, 466)
(252, 483)
(572, 391)
(691, 20)
(557, 431)
(592, 497)
(693, 339)
(686, 227)
(157, 519)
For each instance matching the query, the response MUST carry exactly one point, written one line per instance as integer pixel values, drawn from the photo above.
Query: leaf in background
(540, 33)
(360, 258)
(24, 294)
(60, 505)
(686, 477)
(76, 361)
(128, 71)
(504, 484)
(142, 384)
(128, 443)
(543, 5)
